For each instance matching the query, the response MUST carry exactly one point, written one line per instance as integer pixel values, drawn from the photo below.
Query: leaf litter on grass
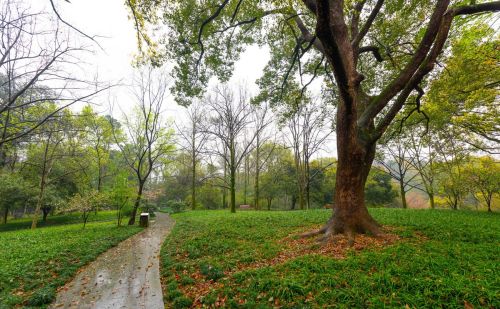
(292, 247)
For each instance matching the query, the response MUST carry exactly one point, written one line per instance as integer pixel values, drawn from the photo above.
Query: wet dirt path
(126, 276)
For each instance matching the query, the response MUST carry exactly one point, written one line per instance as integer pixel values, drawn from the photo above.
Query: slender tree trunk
(39, 202)
(454, 203)
(137, 203)
(3, 151)
(232, 176)
(99, 182)
(403, 193)
(245, 180)
(193, 167)
(257, 174)
(99, 174)
(193, 183)
(233, 190)
(431, 200)
(269, 202)
(3, 156)
(224, 190)
(307, 183)
(5, 214)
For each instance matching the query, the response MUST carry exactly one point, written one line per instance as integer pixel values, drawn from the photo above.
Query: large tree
(337, 39)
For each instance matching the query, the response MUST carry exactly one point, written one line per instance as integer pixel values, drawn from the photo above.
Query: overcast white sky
(108, 19)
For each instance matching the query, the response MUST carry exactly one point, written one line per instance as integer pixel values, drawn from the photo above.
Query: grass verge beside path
(444, 259)
(71, 218)
(34, 263)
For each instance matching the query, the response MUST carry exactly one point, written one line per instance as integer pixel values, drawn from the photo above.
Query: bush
(150, 208)
(176, 206)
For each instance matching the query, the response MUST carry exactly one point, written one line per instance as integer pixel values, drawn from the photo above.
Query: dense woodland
(231, 147)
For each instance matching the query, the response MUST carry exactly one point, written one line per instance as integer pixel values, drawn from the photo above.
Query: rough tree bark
(358, 129)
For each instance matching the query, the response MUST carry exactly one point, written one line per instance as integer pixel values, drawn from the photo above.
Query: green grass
(34, 263)
(457, 262)
(72, 218)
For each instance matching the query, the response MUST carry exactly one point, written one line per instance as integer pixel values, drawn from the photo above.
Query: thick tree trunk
(350, 214)
(355, 157)
(137, 203)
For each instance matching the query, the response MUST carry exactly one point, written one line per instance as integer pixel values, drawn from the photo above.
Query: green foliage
(378, 189)
(176, 206)
(454, 263)
(14, 193)
(33, 263)
(87, 203)
(209, 196)
(483, 175)
(464, 96)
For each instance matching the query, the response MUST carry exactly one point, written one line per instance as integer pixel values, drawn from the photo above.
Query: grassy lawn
(443, 259)
(34, 263)
(25, 223)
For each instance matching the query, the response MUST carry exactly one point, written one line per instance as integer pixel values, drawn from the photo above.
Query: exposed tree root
(335, 226)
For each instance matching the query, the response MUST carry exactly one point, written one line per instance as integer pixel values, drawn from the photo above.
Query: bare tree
(263, 119)
(229, 116)
(194, 142)
(394, 157)
(452, 154)
(423, 161)
(149, 138)
(38, 62)
(307, 131)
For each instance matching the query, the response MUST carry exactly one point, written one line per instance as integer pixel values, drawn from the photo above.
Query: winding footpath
(126, 276)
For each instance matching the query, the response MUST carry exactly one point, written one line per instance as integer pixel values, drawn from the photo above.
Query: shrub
(176, 206)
